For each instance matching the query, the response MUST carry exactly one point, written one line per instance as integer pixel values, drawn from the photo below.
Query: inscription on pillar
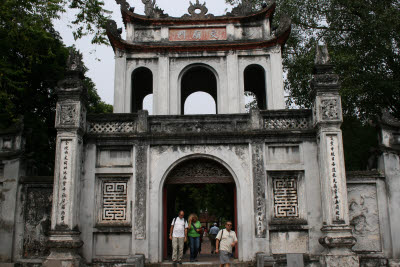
(335, 177)
(141, 192)
(259, 189)
(65, 181)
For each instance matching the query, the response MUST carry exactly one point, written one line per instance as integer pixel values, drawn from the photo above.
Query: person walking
(226, 239)
(178, 235)
(212, 234)
(194, 230)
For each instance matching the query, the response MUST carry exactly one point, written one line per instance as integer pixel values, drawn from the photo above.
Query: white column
(230, 103)
(161, 97)
(120, 83)
(275, 94)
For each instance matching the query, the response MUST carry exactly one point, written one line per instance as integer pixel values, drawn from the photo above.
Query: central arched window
(142, 85)
(199, 79)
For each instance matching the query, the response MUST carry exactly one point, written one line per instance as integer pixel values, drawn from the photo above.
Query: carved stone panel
(285, 197)
(113, 201)
(68, 114)
(329, 109)
(364, 216)
(259, 179)
(37, 216)
(141, 191)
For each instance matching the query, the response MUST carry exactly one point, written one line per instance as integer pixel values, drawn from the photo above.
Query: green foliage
(363, 39)
(217, 199)
(32, 61)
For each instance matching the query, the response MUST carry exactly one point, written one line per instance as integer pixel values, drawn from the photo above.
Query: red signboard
(197, 34)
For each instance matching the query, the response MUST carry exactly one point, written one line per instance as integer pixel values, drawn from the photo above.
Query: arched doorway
(210, 181)
(198, 78)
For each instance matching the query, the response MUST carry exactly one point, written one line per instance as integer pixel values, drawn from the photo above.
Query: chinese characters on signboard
(334, 175)
(197, 34)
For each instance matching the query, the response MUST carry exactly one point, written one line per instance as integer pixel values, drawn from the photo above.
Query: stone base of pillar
(63, 249)
(340, 260)
(63, 259)
(136, 261)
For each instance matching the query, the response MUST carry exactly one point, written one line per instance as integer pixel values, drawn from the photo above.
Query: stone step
(200, 264)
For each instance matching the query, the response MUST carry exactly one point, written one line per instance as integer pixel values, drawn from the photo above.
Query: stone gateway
(294, 203)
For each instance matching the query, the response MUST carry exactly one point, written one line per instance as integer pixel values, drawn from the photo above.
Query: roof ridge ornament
(197, 11)
(152, 10)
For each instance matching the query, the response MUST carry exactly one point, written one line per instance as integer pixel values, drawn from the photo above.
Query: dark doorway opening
(254, 84)
(204, 187)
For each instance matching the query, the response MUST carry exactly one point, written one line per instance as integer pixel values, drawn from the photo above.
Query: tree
(363, 39)
(32, 61)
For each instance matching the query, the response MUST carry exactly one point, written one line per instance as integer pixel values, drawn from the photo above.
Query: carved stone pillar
(337, 233)
(70, 124)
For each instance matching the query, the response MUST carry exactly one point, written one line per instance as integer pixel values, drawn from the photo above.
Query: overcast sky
(100, 59)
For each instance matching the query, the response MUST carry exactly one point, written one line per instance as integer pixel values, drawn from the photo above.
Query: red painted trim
(165, 243)
(236, 221)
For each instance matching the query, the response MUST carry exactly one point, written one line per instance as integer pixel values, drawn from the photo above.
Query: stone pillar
(64, 239)
(275, 94)
(337, 233)
(12, 147)
(230, 100)
(389, 163)
(162, 102)
(122, 102)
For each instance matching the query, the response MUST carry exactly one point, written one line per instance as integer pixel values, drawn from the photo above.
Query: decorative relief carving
(192, 127)
(241, 9)
(37, 219)
(68, 114)
(285, 197)
(197, 11)
(287, 123)
(111, 127)
(114, 200)
(201, 169)
(364, 216)
(197, 34)
(329, 109)
(152, 10)
(259, 189)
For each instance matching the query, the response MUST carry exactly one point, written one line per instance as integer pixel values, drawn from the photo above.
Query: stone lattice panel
(287, 123)
(111, 127)
(285, 198)
(114, 200)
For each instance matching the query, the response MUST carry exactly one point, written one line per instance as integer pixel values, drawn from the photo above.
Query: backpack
(184, 221)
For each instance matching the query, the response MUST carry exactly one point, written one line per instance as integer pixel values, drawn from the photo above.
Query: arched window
(200, 103)
(148, 103)
(142, 85)
(198, 79)
(254, 83)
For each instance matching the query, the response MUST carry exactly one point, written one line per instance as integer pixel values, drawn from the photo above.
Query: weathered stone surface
(37, 215)
(259, 179)
(364, 216)
(335, 261)
(141, 191)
